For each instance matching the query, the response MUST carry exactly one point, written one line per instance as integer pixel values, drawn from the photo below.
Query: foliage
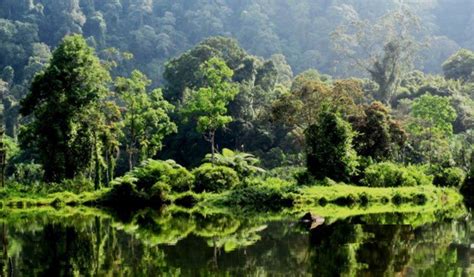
(385, 48)
(329, 148)
(62, 103)
(436, 112)
(388, 174)
(430, 128)
(146, 120)
(449, 177)
(209, 104)
(214, 178)
(256, 194)
(27, 173)
(378, 135)
(460, 66)
(301, 107)
(244, 164)
(151, 172)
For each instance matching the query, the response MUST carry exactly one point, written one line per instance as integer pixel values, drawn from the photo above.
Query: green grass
(317, 194)
(24, 200)
(335, 202)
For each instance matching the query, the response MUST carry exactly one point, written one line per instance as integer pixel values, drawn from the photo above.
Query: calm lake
(90, 242)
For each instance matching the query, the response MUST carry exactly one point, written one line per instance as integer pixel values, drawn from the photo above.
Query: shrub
(303, 177)
(77, 185)
(244, 164)
(168, 172)
(181, 180)
(158, 192)
(270, 194)
(287, 173)
(214, 178)
(123, 191)
(388, 174)
(450, 177)
(28, 173)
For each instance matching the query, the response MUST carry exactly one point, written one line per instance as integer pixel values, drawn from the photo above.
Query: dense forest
(373, 93)
(236, 137)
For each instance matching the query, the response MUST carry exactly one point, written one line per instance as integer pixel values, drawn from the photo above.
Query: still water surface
(149, 243)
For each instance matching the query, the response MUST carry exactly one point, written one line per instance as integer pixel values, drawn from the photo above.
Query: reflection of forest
(150, 243)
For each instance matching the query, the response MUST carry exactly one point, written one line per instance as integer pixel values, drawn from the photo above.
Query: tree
(432, 126)
(146, 117)
(180, 72)
(208, 105)
(301, 107)
(460, 66)
(385, 49)
(3, 150)
(62, 98)
(378, 135)
(329, 151)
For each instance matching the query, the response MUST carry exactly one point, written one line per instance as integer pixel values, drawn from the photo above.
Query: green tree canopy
(208, 105)
(146, 117)
(329, 151)
(435, 111)
(460, 66)
(61, 98)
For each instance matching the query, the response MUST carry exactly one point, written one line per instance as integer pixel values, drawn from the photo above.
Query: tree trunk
(130, 159)
(97, 164)
(213, 146)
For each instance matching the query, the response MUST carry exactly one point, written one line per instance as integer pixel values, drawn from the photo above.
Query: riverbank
(265, 197)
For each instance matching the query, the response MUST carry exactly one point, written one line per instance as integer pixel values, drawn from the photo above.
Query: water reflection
(157, 243)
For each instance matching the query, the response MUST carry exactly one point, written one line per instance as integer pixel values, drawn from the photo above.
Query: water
(89, 242)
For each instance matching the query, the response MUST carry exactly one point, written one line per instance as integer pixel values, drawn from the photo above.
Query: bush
(28, 173)
(168, 172)
(270, 194)
(123, 191)
(388, 174)
(181, 180)
(77, 185)
(287, 173)
(214, 178)
(450, 177)
(244, 164)
(303, 177)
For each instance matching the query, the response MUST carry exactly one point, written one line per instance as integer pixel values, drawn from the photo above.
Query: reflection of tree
(334, 249)
(348, 249)
(178, 242)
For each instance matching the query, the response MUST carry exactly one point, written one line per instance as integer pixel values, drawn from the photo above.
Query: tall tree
(460, 66)
(301, 107)
(432, 126)
(61, 98)
(378, 135)
(146, 117)
(385, 49)
(208, 105)
(329, 151)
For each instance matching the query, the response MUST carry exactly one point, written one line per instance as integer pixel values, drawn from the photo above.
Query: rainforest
(236, 138)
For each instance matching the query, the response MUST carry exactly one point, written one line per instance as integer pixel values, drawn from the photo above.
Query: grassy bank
(271, 195)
